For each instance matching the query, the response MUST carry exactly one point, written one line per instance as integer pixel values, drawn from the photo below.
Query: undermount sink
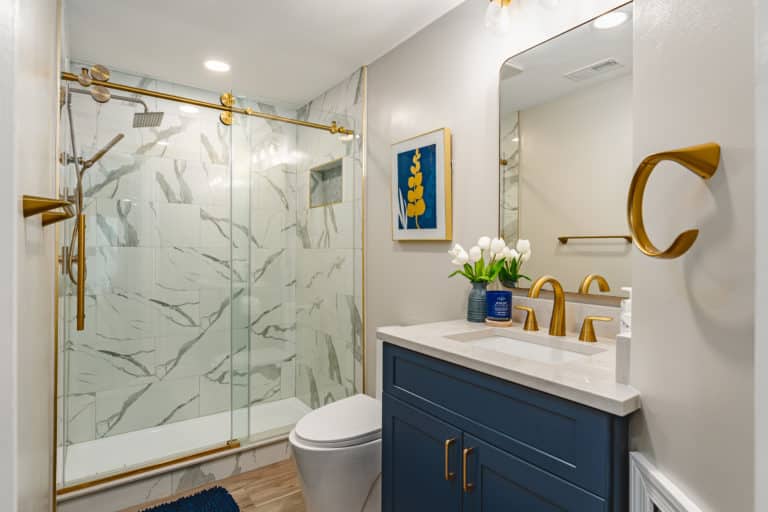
(534, 347)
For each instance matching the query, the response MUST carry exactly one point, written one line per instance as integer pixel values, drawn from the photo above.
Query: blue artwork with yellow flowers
(417, 188)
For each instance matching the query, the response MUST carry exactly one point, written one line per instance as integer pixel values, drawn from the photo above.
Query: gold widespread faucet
(557, 322)
(587, 282)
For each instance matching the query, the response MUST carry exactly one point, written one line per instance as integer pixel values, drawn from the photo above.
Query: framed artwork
(421, 187)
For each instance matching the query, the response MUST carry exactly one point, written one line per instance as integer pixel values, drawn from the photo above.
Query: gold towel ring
(702, 160)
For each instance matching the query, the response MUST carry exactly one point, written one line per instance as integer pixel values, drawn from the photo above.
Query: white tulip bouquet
(489, 259)
(513, 263)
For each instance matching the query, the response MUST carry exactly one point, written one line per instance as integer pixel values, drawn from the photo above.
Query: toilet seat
(349, 422)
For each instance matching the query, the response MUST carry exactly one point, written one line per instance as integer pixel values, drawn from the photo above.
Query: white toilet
(337, 449)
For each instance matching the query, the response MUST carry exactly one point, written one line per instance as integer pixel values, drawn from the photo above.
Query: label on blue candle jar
(499, 305)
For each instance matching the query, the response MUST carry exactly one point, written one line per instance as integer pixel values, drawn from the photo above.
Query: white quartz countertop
(590, 380)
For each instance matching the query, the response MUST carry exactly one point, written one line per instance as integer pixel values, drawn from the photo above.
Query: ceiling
(543, 66)
(288, 51)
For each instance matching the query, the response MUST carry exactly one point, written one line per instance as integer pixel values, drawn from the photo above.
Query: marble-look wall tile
(124, 496)
(155, 404)
(81, 418)
(99, 364)
(229, 466)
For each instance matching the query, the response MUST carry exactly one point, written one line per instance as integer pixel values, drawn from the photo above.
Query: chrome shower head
(147, 119)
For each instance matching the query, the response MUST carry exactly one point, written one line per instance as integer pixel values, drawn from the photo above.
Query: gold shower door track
(230, 445)
(332, 128)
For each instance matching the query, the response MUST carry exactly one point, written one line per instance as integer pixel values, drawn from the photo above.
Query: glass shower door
(153, 375)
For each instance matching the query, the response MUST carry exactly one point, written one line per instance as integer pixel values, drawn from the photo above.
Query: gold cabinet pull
(701, 160)
(465, 484)
(449, 475)
(81, 272)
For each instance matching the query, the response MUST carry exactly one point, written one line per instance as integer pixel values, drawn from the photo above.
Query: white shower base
(94, 459)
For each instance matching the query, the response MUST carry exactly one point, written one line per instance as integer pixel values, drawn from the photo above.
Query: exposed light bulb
(497, 16)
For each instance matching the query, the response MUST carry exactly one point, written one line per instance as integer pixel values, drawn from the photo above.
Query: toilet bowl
(337, 449)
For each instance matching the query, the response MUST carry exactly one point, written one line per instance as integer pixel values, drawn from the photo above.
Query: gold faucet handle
(588, 327)
(530, 319)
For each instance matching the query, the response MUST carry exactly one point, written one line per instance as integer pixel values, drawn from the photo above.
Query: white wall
(693, 348)
(575, 169)
(761, 271)
(8, 215)
(444, 76)
(28, 33)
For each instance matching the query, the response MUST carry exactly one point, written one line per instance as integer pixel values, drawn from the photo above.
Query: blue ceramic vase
(476, 307)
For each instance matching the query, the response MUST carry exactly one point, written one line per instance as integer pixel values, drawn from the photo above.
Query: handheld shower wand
(77, 242)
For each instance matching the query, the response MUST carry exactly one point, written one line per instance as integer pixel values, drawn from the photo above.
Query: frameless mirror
(566, 152)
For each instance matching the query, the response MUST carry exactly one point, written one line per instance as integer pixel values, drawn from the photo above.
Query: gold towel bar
(564, 239)
(701, 160)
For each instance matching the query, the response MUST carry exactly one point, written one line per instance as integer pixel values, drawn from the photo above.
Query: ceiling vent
(599, 68)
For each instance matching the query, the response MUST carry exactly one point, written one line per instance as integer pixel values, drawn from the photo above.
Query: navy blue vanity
(458, 440)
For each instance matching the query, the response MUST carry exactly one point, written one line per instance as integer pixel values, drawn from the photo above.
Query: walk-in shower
(220, 304)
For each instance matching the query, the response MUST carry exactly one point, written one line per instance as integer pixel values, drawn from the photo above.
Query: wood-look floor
(273, 488)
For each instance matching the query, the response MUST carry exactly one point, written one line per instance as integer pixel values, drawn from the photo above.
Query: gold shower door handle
(465, 484)
(81, 272)
(449, 475)
(701, 160)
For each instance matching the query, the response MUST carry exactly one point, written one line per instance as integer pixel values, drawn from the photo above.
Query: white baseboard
(651, 491)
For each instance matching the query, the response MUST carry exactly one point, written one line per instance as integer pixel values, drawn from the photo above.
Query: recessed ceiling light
(611, 20)
(189, 109)
(218, 66)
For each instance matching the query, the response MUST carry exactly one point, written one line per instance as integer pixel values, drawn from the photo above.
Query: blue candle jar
(499, 304)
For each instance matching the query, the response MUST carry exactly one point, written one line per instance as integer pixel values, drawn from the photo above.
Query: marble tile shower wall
(209, 277)
(329, 253)
(169, 238)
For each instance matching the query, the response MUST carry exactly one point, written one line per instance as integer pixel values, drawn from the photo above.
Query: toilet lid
(348, 422)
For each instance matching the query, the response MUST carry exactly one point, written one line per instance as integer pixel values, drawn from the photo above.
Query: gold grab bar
(227, 106)
(702, 160)
(35, 205)
(81, 272)
(449, 475)
(465, 484)
(564, 239)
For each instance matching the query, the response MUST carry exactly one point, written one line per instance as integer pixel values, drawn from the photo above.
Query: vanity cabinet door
(498, 481)
(421, 461)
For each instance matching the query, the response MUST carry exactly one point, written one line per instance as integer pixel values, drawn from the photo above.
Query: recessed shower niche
(326, 183)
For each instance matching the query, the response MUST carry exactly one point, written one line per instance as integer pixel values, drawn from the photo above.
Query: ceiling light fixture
(497, 16)
(218, 66)
(611, 20)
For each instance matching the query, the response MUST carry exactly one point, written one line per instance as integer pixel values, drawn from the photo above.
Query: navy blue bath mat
(215, 499)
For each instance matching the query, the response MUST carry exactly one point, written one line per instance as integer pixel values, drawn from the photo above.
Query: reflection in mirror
(566, 152)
